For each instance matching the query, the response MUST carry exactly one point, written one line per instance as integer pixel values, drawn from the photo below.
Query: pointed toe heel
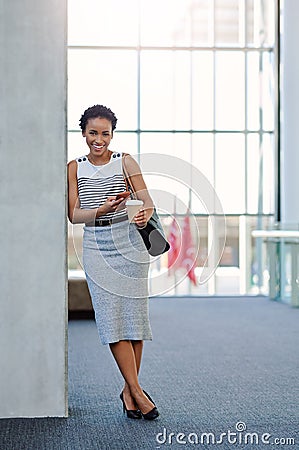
(131, 413)
(151, 415)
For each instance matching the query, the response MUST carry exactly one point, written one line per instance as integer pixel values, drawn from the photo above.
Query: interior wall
(290, 113)
(33, 375)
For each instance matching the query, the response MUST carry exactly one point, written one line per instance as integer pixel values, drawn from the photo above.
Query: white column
(33, 375)
(290, 112)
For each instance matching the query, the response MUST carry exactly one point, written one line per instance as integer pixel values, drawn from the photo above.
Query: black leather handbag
(152, 234)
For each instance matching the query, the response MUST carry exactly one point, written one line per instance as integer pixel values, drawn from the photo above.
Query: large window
(194, 79)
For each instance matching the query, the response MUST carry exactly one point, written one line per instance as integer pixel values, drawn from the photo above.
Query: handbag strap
(128, 181)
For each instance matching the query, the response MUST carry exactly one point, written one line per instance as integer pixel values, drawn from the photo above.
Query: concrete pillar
(33, 375)
(290, 112)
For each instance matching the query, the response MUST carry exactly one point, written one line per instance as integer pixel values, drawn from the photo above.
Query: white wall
(33, 374)
(290, 113)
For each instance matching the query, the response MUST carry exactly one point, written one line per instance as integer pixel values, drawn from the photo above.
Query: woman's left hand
(140, 219)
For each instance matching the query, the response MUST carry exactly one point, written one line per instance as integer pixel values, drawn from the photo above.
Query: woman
(114, 256)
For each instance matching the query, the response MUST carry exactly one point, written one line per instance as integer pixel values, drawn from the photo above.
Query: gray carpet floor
(224, 366)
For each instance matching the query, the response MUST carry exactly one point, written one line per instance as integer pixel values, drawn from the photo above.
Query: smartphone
(124, 194)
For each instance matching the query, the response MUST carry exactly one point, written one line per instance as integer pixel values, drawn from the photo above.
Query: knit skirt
(116, 265)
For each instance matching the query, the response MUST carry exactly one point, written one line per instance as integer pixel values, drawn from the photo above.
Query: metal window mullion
(245, 249)
(246, 132)
(139, 81)
(207, 215)
(191, 140)
(245, 12)
(169, 48)
(138, 104)
(214, 101)
(212, 284)
(214, 123)
(277, 113)
(261, 149)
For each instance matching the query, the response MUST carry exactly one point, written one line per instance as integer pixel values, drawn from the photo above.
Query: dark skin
(98, 135)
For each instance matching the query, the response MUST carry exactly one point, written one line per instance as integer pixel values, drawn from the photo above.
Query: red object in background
(187, 256)
(174, 241)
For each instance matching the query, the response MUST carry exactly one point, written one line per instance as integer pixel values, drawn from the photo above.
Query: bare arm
(139, 186)
(75, 213)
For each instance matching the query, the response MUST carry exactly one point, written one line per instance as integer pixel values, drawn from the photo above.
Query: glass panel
(202, 25)
(172, 144)
(175, 281)
(165, 23)
(268, 91)
(181, 90)
(260, 174)
(253, 91)
(165, 88)
(226, 22)
(260, 90)
(98, 22)
(260, 22)
(202, 90)
(176, 144)
(230, 98)
(169, 195)
(268, 11)
(124, 142)
(253, 173)
(228, 271)
(202, 226)
(76, 145)
(94, 77)
(260, 256)
(174, 98)
(268, 174)
(203, 160)
(249, 4)
(230, 178)
(230, 257)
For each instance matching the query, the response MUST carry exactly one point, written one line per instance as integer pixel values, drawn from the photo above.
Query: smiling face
(98, 134)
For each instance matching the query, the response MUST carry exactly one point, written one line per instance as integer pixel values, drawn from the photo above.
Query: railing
(282, 255)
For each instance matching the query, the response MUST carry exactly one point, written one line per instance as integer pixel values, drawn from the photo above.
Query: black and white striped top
(96, 183)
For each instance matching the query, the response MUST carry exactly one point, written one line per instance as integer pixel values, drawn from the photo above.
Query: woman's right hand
(110, 205)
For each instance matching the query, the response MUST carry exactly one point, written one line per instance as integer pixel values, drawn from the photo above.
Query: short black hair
(97, 111)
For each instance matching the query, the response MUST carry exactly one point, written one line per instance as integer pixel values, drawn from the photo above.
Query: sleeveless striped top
(96, 183)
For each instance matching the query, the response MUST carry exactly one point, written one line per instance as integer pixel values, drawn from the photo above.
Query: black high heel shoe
(149, 397)
(153, 413)
(131, 413)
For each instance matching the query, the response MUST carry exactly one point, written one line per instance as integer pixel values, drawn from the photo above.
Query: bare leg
(137, 347)
(124, 355)
(129, 400)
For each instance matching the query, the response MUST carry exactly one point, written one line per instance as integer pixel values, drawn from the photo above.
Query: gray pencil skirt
(116, 265)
